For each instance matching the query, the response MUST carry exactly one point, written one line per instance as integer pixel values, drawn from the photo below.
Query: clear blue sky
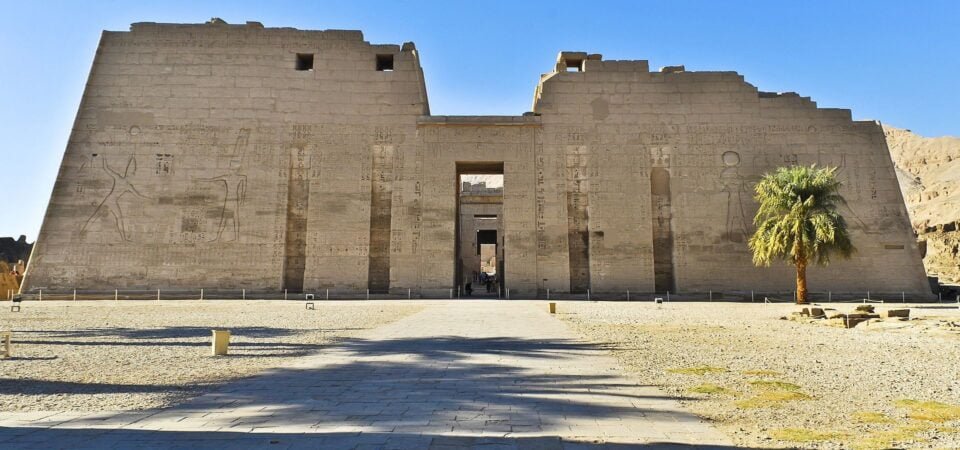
(896, 61)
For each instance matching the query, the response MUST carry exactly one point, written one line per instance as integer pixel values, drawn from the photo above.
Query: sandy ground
(93, 356)
(775, 383)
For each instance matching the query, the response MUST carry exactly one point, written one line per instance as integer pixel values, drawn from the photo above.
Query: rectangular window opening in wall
(574, 65)
(385, 63)
(304, 61)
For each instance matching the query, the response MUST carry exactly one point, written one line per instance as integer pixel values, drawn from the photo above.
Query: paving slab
(459, 374)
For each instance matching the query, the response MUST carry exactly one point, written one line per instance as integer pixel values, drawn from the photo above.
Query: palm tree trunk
(801, 282)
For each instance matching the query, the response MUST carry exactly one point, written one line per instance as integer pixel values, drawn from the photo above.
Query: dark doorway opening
(479, 255)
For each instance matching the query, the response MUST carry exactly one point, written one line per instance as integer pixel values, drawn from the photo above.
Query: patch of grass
(699, 370)
(907, 433)
(871, 417)
(775, 385)
(771, 399)
(708, 388)
(929, 410)
(888, 439)
(761, 373)
(804, 435)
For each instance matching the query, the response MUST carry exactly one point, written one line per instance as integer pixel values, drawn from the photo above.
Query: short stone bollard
(221, 340)
(553, 308)
(5, 336)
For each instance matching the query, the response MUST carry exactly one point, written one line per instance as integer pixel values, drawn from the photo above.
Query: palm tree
(798, 220)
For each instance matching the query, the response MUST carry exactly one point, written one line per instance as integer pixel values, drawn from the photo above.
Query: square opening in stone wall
(574, 65)
(304, 61)
(385, 63)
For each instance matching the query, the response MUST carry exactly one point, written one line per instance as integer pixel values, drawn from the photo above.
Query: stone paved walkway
(458, 374)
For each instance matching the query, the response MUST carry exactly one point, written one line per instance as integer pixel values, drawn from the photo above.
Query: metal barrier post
(588, 294)
(368, 294)
(668, 296)
(244, 294)
(158, 295)
(116, 295)
(284, 294)
(408, 293)
(327, 295)
(201, 294)
(74, 295)
(751, 296)
(40, 297)
(628, 295)
(711, 296)
(548, 294)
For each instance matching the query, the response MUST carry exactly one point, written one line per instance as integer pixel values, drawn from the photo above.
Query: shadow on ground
(28, 438)
(411, 392)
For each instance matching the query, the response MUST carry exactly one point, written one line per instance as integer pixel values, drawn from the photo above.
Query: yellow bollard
(553, 308)
(221, 340)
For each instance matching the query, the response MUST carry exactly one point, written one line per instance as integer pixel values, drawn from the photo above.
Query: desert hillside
(929, 173)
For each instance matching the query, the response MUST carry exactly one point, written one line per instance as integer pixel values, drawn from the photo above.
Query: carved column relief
(381, 203)
(298, 198)
(661, 215)
(578, 233)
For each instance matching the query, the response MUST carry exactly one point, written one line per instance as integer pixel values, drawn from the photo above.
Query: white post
(201, 294)
(903, 297)
(244, 294)
(868, 295)
(408, 293)
(368, 294)
(829, 296)
(588, 294)
(74, 295)
(40, 297)
(711, 296)
(327, 295)
(668, 296)
(451, 294)
(158, 295)
(628, 295)
(751, 296)
(284, 294)
(116, 295)
(548, 294)
(508, 296)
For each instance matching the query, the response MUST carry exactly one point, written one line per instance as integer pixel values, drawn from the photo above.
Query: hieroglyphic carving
(120, 187)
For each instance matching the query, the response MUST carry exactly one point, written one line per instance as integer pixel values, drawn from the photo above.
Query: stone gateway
(241, 157)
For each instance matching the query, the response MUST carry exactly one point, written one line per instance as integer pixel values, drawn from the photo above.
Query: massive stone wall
(201, 157)
(695, 143)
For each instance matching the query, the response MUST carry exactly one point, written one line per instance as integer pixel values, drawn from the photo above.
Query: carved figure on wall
(235, 192)
(121, 186)
(234, 186)
(733, 186)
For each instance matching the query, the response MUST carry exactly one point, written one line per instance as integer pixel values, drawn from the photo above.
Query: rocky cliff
(929, 173)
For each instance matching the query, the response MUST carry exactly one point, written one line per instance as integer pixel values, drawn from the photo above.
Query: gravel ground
(739, 365)
(95, 356)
